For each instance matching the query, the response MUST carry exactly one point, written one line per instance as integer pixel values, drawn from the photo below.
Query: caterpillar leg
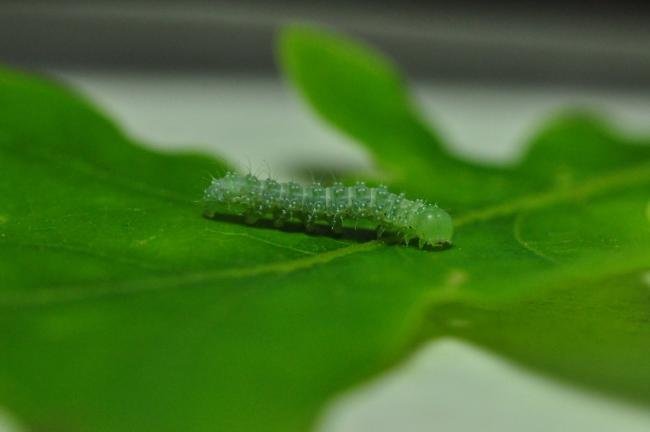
(310, 223)
(337, 224)
(280, 217)
(252, 216)
(407, 237)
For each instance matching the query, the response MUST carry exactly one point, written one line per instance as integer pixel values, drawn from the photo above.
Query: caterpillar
(248, 196)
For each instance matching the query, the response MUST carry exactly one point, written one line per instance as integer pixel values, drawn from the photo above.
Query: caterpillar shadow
(359, 234)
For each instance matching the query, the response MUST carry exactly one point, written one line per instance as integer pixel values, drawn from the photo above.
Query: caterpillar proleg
(313, 204)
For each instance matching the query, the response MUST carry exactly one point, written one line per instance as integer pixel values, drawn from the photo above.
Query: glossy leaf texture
(121, 308)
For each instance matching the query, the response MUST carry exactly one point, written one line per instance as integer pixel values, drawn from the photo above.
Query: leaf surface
(123, 309)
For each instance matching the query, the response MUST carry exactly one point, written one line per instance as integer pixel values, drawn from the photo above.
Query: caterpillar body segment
(312, 204)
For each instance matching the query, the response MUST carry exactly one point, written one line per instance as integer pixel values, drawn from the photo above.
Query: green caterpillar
(314, 204)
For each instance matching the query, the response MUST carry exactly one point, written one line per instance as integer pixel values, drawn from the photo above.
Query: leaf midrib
(63, 294)
(636, 174)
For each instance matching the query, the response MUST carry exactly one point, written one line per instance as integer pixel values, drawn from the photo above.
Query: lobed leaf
(121, 308)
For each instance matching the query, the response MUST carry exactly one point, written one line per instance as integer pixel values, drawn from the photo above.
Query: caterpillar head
(433, 226)
(230, 193)
(230, 187)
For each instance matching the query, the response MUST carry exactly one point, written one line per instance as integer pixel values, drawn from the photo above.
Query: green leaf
(554, 269)
(121, 308)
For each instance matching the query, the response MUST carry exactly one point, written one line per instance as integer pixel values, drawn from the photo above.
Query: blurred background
(569, 42)
(202, 75)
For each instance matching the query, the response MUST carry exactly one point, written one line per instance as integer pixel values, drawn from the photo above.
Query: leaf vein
(64, 294)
